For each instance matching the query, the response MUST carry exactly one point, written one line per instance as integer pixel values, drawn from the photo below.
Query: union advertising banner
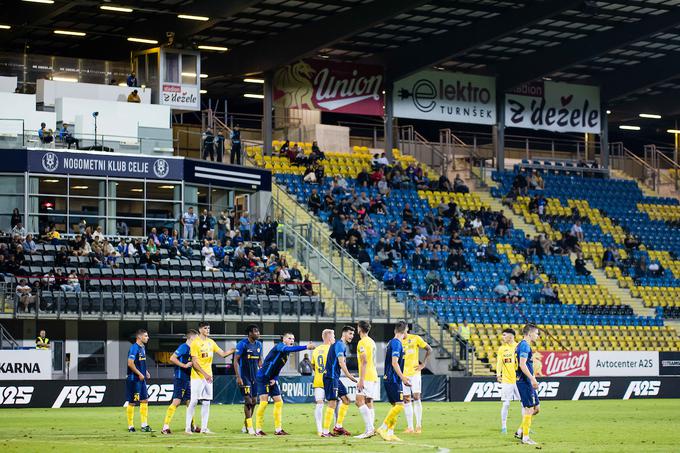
(552, 106)
(330, 87)
(561, 363)
(446, 96)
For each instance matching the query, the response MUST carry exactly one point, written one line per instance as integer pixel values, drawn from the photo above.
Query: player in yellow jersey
(506, 374)
(202, 350)
(319, 361)
(368, 387)
(412, 403)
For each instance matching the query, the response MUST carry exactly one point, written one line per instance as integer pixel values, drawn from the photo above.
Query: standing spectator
(122, 228)
(235, 136)
(134, 97)
(314, 202)
(219, 146)
(132, 80)
(189, 221)
(16, 218)
(222, 226)
(305, 366)
(208, 145)
(42, 342)
(244, 226)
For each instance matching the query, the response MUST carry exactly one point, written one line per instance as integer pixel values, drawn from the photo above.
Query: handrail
(6, 337)
(648, 176)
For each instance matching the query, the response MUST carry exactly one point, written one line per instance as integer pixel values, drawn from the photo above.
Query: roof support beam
(430, 52)
(640, 76)
(278, 50)
(545, 62)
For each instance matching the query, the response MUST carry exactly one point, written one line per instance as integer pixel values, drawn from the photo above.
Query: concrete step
(622, 293)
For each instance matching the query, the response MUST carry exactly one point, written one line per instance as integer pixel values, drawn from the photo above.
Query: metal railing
(7, 341)
(622, 159)
(666, 170)
(410, 142)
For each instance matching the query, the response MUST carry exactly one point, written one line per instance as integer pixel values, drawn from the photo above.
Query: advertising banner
(552, 106)
(624, 363)
(184, 97)
(571, 388)
(104, 164)
(330, 87)
(446, 96)
(561, 363)
(25, 364)
(233, 176)
(669, 363)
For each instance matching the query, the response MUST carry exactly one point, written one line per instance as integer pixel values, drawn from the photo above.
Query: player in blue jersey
(394, 380)
(181, 392)
(336, 361)
(267, 385)
(247, 360)
(135, 384)
(527, 384)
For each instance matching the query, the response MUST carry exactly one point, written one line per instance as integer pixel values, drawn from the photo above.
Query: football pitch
(569, 426)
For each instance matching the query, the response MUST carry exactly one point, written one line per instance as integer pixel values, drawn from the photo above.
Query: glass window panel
(219, 198)
(128, 189)
(91, 347)
(152, 78)
(46, 220)
(11, 184)
(92, 364)
(48, 185)
(7, 205)
(160, 191)
(58, 355)
(189, 75)
(81, 187)
(128, 208)
(171, 67)
(135, 226)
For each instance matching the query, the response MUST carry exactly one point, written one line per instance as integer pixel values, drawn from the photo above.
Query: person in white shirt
(212, 264)
(233, 295)
(477, 226)
(577, 230)
(72, 283)
(23, 292)
(98, 235)
(18, 230)
(189, 220)
(501, 288)
(207, 249)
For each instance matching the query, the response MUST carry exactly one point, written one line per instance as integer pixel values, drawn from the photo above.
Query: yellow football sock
(328, 419)
(341, 414)
(130, 412)
(169, 414)
(278, 414)
(526, 425)
(391, 419)
(259, 416)
(144, 413)
(249, 423)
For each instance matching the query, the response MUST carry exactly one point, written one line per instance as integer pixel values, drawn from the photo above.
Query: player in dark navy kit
(135, 384)
(333, 386)
(267, 385)
(394, 380)
(247, 360)
(181, 391)
(527, 384)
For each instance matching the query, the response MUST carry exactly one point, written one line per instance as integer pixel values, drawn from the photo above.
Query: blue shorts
(181, 389)
(394, 391)
(135, 391)
(334, 389)
(249, 387)
(264, 388)
(527, 394)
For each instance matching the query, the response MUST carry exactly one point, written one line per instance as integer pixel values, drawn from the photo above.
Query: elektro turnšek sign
(552, 106)
(446, 96)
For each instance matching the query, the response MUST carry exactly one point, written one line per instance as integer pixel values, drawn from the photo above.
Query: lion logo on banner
(538, 363)
(295, 81)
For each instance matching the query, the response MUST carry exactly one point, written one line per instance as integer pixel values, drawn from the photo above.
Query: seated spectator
(122, 228)
(476, 227)
(309, 175)
(185, 250)
(48, 280)
(307, 288)
(502, 290)
(577, 231)
(517, 274)
(233, 295)
(609, 257)
(146, 261)
(459, 283)
(418, 260)
(132, 80)
(459, 185)
(67, 137)
(548, 295)
(570, 243)
(580, 266)
(134, 97)
(29, 245)
(515, 293)
(72, 283)
(314, 202)
(402, 281)
(45, 135)
(631, 243)
(24, 297)
(490, 254)
(18, 230)
(536, 181)
(98, 234)
(61, 258)
(212, 263)
(388, 278)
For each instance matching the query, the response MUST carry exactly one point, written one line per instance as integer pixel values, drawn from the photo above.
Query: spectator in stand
(134, 97)
(48, 280)
(515, 293)
(490, 254)
(520, 183)
(517, 274)
(631, 243)
(502, 290)
(314, 202)
(609, 257)
(233, 295)
(283, 151)
(15, 219)
(208, 141)
(536, 181)
(548, 295)
(61, 257)
(98, 234)
(244, 225)
(577, 231)
(402, 281)
(189, 220)
(24, 296)
(459, 185)
(122, 228)
(476, 227)
(219, 146)
(388, 278)
(18, 230)
(132, 80)
(305, 367)
(67, 137)
(146, 261)
(185, 250)
(72, 283)
(570, 243)
(580, 266)
(459, 283)
(29, 245)
(45, 135)
(307, 287)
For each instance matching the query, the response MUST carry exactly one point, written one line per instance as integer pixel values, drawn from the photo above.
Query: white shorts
(371, 390)
(416, 385)
(201, 390)
(509, 392)
(319, 394)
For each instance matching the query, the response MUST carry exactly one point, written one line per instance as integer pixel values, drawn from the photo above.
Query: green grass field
(593, 426)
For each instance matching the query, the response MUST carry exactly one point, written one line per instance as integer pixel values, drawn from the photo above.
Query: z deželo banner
(552, 106)
(446, 96)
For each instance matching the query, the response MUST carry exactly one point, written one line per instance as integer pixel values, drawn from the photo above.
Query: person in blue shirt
(181, 358)
(235, 157)
(527, 384)
(132, 80)
(402, 281)
(333, 386)
(393, 379)
(267, 384)
(68, 138)
(388, 278)
(247, 361)
(135, 384)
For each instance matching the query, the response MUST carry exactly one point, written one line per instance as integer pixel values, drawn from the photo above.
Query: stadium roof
(629, 47)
